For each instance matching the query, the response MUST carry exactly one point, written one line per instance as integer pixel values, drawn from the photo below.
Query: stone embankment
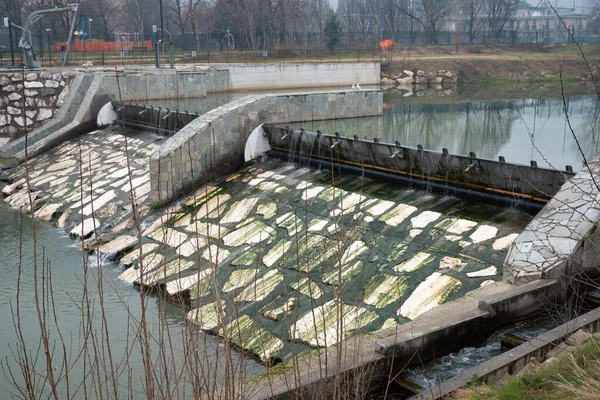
(561, 241)
(38, 96)
(419, 80)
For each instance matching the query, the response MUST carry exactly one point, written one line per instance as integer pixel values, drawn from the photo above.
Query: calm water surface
(121, 301)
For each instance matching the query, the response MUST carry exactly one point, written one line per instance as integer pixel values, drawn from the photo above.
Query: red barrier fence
(100, 45)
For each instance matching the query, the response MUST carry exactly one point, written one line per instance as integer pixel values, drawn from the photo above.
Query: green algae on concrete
(432, 292)
(321, 326)
(252, 232)
(383, 290)
(209, 317)
(277, 252)
(249, 335)
(261, 288)
(308, 288)
(239, 279)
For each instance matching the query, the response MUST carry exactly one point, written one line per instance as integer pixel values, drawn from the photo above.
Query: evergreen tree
(333, 32)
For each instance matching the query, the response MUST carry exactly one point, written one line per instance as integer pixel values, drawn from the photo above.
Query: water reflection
(520, 130)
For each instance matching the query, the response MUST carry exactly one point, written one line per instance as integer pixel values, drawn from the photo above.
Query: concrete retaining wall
(213, 145)
(562, 240)
(297, 76)
(147, 85)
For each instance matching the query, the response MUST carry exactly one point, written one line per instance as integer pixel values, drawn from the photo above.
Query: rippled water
(434, 372)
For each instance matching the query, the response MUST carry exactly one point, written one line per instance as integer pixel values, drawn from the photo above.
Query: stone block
(4, 120)
(578, 338)
(387, 82)
(561, 350)
(20, 122)
(32, 76)
(33, 85)
(45, 75)
(13, 110)
(51, 84)
(14, 96)
(8, 88)
(44, 114)
(408, 81)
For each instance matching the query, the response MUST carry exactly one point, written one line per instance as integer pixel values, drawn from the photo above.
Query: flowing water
(432, 373)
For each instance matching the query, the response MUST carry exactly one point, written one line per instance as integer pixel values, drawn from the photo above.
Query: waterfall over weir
(158, 120)
(508, 184)
(462, 175)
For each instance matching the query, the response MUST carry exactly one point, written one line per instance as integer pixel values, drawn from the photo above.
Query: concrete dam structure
(268, 255)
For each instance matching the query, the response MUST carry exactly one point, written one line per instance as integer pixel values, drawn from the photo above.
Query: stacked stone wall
(38, 95)
(420, 80)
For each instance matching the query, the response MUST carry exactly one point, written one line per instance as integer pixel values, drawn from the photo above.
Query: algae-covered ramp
(291, 252)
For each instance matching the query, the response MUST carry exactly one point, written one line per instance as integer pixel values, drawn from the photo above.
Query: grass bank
(502, 66)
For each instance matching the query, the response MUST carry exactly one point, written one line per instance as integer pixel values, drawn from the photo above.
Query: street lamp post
(91, 42)
(162, 28)
(83, 35)
(48, 30)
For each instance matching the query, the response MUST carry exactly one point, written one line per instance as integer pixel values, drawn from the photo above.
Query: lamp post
(90, 30)
(48, 30)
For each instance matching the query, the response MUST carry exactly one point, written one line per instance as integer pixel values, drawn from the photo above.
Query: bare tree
(472, 11)
(498, 14)
(136, 15)
(13, 9)
(430, 14)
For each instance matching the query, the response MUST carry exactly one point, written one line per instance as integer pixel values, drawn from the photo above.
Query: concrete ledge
(514, 360)
(428, 337)
(442, 330)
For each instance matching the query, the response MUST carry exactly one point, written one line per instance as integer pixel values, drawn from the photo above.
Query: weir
(468, 176)
(461, 175)
(273, 232)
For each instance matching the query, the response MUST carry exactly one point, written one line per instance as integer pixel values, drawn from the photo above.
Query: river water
(523, 126)
(519, 129)
(67, 270)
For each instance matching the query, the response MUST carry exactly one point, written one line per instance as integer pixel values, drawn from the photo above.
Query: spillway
(276, 249)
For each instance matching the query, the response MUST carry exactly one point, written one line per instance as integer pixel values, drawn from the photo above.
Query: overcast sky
(560, 3)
